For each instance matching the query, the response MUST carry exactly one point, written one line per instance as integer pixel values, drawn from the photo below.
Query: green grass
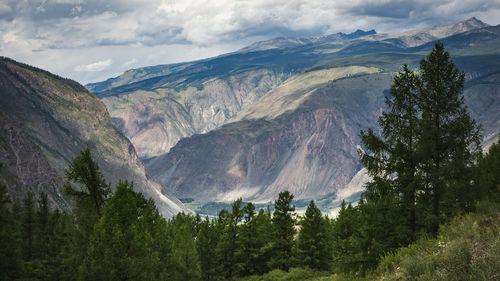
(195, 205)
(303, 274)
(468, 248)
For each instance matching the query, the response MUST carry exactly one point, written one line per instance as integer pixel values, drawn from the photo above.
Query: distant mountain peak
(340, 36)
(291, 42)
(474, 20)
(417, 37)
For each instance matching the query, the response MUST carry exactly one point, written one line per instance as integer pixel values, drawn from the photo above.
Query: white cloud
(96, 66)
(129, 63)
(48, 31)
(9, 37)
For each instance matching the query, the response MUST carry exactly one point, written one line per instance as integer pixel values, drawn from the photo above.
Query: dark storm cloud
(437, 12)
(392, 9)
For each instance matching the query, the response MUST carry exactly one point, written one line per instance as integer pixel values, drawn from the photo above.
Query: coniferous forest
(430, 212)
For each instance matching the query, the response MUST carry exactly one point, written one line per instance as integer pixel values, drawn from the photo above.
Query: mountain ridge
(291, 42)
(59, 118)
(274, 140)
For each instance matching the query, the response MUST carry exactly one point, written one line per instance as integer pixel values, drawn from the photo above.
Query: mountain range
(285, 114)
(281, 114)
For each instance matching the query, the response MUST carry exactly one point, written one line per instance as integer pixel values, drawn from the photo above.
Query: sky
(93, 40)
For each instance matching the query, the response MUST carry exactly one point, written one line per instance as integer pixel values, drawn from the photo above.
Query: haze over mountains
(284, 114)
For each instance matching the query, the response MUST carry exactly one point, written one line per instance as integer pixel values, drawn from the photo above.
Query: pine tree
(450, 139)
(206, 244)
(283, 231)
(263, 234)
(60, 230)
(90, 192)
(42, 227)
(313, 243)
(249, 243)
(11, 265)
(28, 226)
(345, 240)
(93, 189)
(220, 229)
(394, 157)
(229, 243)
(489, 174)
(428, 148)
(382, 224)
(123, 242)
(184, 256)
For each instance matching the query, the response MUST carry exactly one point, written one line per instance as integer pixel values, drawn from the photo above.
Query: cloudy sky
(92, 40)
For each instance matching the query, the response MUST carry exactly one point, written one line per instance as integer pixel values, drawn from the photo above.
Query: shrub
(467, 248)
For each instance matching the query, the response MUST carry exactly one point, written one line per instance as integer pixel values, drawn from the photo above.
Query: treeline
(125, 238)
(427, 167)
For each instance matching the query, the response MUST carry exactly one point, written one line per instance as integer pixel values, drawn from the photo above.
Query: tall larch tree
(313, 243)
(393, 158)
(450, 138)
(283, 231)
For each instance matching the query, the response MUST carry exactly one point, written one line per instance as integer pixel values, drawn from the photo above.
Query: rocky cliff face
(155, 120)
(303, 134)
(24, 166)
(157, 106)
(48, 121)
(310, 149)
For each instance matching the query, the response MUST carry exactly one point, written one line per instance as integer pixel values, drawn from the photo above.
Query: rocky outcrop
(155, 120)
(53, 120)
(309, 150)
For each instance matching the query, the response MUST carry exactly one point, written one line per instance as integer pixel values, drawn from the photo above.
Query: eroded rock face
(155, 120)
(156, 106)
(303, 134)
(310, 151)
(25, 167)
(51, 121)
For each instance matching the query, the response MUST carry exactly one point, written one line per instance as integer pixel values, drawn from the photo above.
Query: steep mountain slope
(157, 106)
(303, 135)
(47, 121)
(309, 149)
(24, 167)
(285, 117)
(157, 118)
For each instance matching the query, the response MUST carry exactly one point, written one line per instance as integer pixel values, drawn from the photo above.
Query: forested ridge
(430, 212)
